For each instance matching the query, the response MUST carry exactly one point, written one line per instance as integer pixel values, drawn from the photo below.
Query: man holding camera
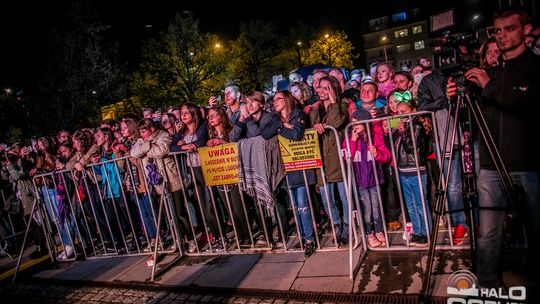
(510, 103)
(431, 96)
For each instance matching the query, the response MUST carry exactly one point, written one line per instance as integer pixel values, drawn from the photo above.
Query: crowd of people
(160, 149)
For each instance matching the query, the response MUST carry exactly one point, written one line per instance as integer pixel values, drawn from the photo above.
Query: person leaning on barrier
(290, 122)
(86, 179)
(510, 104)
(219, 129)
(406, 142)
(365, 157)
(332, 111)
(15, 169)
(135, 182)
(153, 147)
(193, 135)
(247, 127)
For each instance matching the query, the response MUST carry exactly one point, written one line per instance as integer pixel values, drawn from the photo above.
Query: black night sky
(24, 24)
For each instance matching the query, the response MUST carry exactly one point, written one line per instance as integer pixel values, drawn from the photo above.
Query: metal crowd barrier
(12, 224)
(98, 216)
(400, 240)
(92, 214)
(216, 210)
(204, 206)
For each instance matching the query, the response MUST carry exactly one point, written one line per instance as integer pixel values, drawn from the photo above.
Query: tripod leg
(441, 199)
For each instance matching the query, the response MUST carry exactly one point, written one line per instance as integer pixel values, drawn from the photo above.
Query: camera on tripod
(455, 54)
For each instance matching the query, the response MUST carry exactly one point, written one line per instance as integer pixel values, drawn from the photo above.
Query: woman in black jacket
(193, 135)
(290, 122)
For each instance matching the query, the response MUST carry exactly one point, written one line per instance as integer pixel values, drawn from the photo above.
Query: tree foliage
(182, 65)
(80, 74)
(253, 51)
(333, 49)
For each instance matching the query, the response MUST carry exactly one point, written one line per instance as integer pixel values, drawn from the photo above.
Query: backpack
(154, 177)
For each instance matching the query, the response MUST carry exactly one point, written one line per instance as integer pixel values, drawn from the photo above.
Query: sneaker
(373, 241)
(261, 241)
(309, 249)
(191, 246)
(344, 238)
(66, 254)
(380, 237)
(414, 240)
(394, 225)
(217, 244)
(245, 243)
(422, 241)
(460, 232)
(279, 244)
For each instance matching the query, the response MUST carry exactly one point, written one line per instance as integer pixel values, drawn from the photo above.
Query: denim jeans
(492, 222)
(343, 197)
(147, 217)
(371, 209)
(454, 191)
(50, 200)
(303, 212)
(413, 201)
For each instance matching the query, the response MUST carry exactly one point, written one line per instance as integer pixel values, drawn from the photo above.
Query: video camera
(455, 54)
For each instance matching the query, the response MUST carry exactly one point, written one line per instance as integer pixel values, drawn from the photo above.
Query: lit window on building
(418, 45)
(401, 33)
(402, 16)
(417, 29)
(403, 47)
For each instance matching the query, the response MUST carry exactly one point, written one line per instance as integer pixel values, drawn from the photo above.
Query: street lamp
(217, 45)
(298, 53)
(475, 19)
(383, 39)
(329, 44)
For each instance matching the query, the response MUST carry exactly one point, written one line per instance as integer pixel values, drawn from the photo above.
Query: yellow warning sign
(220, 164)
(302, 154)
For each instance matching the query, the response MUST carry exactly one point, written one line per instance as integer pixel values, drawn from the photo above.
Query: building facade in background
(398, 39)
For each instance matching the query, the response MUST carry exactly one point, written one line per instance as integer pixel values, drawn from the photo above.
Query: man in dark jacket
(510, 104)
(431, 94)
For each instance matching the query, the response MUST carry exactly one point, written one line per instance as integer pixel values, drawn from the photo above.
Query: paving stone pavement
(39, 293)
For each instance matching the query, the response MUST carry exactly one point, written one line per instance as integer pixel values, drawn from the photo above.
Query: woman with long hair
(135, 184)
(333, 111)
(46, 159)
(169, 123)
(192, 135)
(290, 122)
(92, 220)
(219, 128)
(301, 92)
(489, 54)
(111, 184)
